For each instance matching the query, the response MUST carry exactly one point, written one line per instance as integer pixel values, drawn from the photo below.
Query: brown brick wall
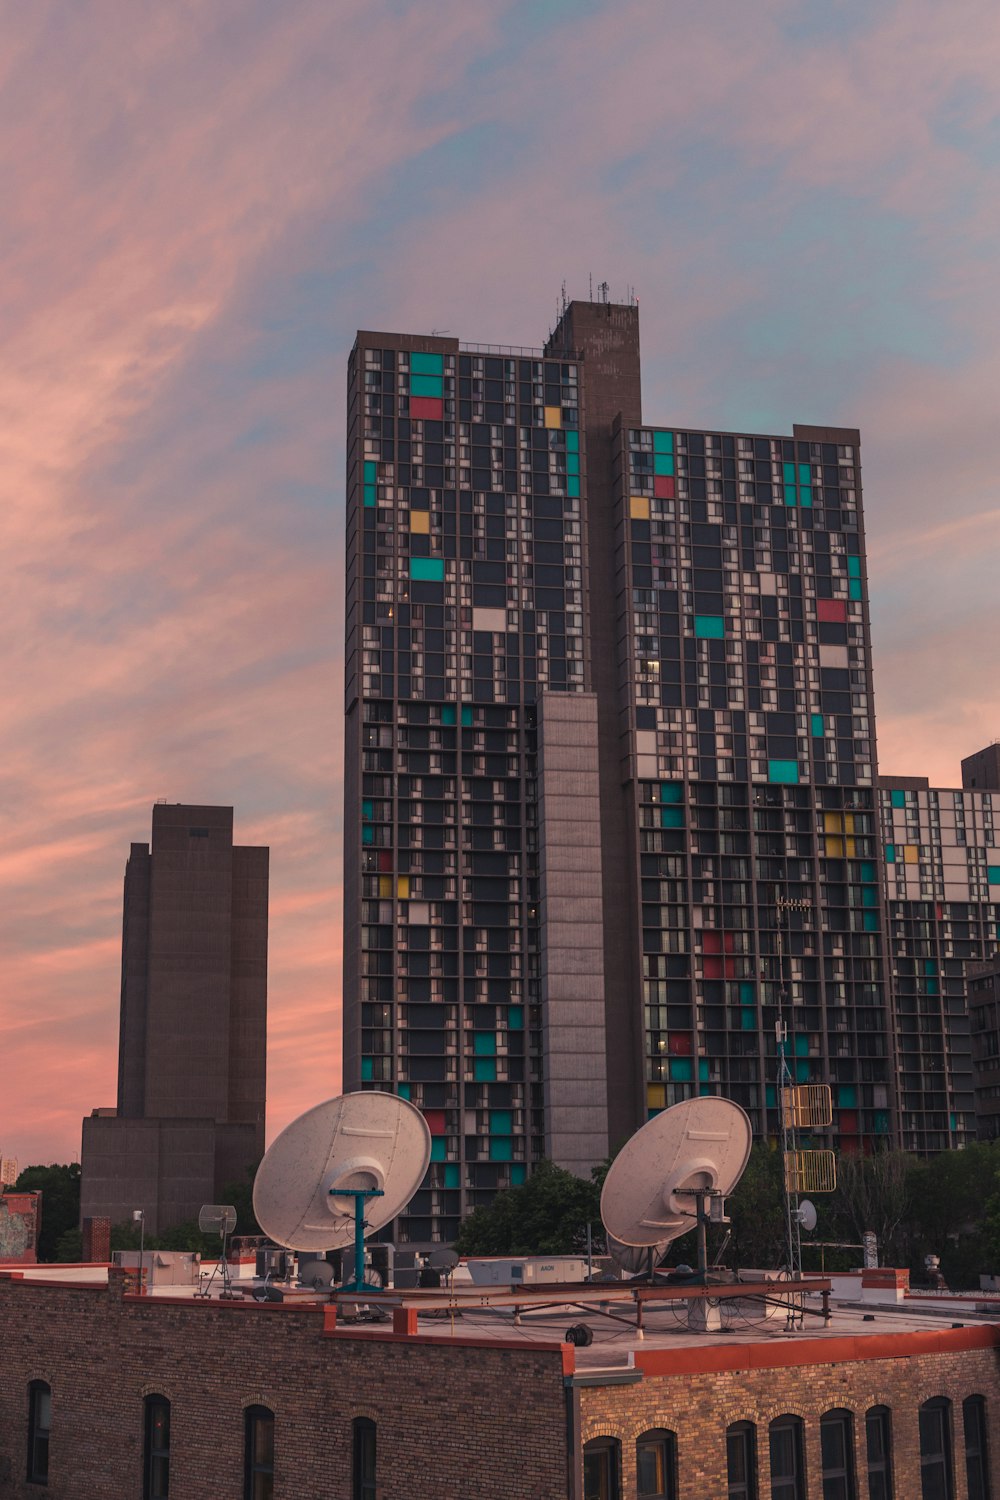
(468, 1423)
(699, 1407)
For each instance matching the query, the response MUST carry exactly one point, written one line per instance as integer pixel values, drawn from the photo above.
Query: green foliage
(757, 1213)
(547, 1215)
(59, 1186)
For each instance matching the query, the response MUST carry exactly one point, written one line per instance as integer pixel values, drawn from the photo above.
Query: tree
(59, 1186)
(756, 1209)
(547, 1215)
(873, 1193)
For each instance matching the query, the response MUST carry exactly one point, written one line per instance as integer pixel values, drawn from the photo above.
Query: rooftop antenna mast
(218, 1218)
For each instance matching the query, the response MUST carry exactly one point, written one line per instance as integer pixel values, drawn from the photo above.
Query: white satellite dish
(633, 1260)
(806, 1215)
(649, 1195)
(369, 1143)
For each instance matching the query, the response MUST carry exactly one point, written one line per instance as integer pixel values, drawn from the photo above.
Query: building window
(258, 1463)
(977, 1464)
(937, 1481)
(878, 1438)
(601, 1467)
(836, 1439)
(363, 1458)
(741, 1458)
(656, 1465)
(39, 1422)
(788, 1480)
(156, 1450)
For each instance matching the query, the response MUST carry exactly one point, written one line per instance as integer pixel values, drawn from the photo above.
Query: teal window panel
(954, 1121)
(867, 870)
(993, 874)
(847, 1096)
(854, 567)
(786, 771)
(427, 569)
(367, 1069)
(501, 1122)
(448, 714)
(709, 627)
(802, 1070)
(869, 896)
(651, 1114)
(854, 588)
(805, 474)
(671, 817)
(663, 463)
(368, 835)
(484, 1043)
(930, 966)
(518, 1173)
(426, 364)
(501, 1148)
(681, 1069)
(788, 470)
(572, 463)
(452, 1178)
(705, 1090)
(426, 385)
(805, 496)
(703, 1069)
(371, 470)
(817, 726)
(746, 992)
(897, 798)
(573, 485)
(515, 1018)
(771, 1096)
(572, 441)
(801, 1044)
(367, 811)
(663, 442)
(369, 495)
(439, 1148)
(791, 495)
(881, 1122)
(671, 791)
(467, 716)
(871, 921)
(748, 1019)
(403, 1091)
(931, 986)
(484, 1070)
(890, 854)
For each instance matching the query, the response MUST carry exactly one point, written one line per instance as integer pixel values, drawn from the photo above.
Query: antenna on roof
(591, 275)
(218, 1218)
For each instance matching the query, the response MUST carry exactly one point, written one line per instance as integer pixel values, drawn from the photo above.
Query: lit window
(39, 1422)
(258, 1462)
(156, 1450)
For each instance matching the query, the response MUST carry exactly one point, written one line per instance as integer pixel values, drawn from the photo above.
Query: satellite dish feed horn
(350, 1163)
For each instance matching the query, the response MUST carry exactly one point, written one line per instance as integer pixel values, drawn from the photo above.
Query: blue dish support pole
(360, 1195)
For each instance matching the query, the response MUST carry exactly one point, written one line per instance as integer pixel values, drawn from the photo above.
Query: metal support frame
(360, 1195)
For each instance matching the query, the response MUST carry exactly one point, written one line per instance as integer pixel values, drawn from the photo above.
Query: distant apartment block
(192, 1043)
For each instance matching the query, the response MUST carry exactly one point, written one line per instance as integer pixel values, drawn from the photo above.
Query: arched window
(836, 1441)
(601, 1469)
(156, 1448)
(878, 1442)
(39, 1422)
(937, 1479)
(977, 1462)
(363, 1459)
(656, 1465)
(788, 1470)
(741, 1460)
(258, 1462)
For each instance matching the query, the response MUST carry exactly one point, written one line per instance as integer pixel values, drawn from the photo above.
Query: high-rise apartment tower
(610, 763)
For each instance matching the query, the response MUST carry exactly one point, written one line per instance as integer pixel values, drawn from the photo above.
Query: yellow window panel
(553, 416)
(911, 854)
(833, 822)
(420, 521)
(848, 822)
(850, 848)
(385, 885)
(656, 1095)
(403, 887)
(834, 848)
(638, 507)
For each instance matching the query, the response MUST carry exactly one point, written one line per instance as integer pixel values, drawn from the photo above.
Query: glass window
(156, 1449)
(977, 1465)
(741, 1458)
(601, 1466)
(363, 1459)
(258, 1463)
(836, 1438)
(878, 1439)
(39, 1422)
(936, 1477)
(787, 1462)
(656, 1465)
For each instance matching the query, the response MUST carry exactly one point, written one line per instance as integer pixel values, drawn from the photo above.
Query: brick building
(216, 1401)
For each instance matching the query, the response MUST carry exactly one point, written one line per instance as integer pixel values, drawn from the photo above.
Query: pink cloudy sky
(201, 203)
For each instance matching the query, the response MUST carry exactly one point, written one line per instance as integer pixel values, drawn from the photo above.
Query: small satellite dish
(315, 1273)
(356, 1143)
(697, 1144)
(443, 1259)
(217, 1218)
(806, 1215)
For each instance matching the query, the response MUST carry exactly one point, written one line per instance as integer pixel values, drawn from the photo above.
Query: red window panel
(713, 968)
(427, 406)
(664, 486)
(848, 1122)
(711, 941)
(831, 611)
(385, 860)
(435, 1121)
(729, 942)
(849, 1145)
(680, 1043)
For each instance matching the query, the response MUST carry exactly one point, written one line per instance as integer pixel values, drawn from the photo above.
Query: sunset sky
(202, 201)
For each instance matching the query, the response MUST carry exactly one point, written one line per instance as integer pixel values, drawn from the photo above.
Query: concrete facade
(192, 1048)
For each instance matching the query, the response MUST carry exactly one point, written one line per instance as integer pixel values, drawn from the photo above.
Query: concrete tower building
(610, 759)
(192, 1047)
